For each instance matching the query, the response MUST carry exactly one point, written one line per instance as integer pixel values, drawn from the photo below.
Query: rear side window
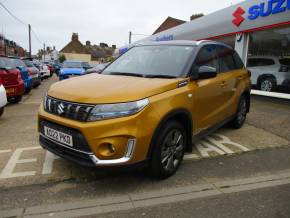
(6, 63)
(226, 59)
(285, 61)
(259, 62)
(206, 57)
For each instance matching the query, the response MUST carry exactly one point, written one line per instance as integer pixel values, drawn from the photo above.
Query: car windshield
(6, 63)
(154, 60)
(28, 63)
(72, 65)
(18, 63)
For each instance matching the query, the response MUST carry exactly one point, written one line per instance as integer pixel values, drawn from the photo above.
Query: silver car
(270, 73)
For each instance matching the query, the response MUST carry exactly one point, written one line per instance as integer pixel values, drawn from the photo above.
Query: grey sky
(98, 21)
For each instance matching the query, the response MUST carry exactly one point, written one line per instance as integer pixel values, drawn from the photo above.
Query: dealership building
(259, 30)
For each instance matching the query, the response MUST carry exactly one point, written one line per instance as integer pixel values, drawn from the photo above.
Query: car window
(206, 57)
(285, 61)
(259, 62)
(18, 62)
(6, 63)
(226, 59)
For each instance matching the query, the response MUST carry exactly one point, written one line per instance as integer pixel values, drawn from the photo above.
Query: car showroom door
(209, 100)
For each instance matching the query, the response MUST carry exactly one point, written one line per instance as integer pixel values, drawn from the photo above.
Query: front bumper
(130, 136)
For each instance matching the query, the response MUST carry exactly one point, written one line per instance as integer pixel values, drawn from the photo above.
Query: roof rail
(199, 42)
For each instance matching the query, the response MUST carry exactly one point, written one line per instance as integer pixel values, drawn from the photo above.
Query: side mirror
(206, 72)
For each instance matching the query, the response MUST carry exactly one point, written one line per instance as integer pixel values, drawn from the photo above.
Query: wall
(77, 57)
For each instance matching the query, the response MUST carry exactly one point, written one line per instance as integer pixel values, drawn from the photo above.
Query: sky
(109, 21)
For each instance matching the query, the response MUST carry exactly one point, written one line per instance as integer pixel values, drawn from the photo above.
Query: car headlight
(109, 111)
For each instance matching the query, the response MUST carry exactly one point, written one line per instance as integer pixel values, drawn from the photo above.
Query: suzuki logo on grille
(238, 16)
(60, 109)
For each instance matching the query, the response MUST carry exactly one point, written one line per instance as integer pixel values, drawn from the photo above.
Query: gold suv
(148, 106)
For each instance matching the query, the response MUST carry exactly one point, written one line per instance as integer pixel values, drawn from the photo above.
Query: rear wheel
(15, 99)
(241, 114)
(1, 111)
(168, 150)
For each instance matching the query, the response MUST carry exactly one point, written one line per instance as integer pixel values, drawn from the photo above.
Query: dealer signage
(263, 9)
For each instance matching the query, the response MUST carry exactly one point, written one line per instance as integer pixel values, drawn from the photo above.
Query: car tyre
(168, 150)
(241, 114)
(267, 84)
(1, 111)
(15, 99)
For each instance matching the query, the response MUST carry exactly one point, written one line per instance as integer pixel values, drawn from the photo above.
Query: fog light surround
(127, 157)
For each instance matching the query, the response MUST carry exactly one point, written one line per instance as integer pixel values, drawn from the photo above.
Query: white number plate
(58, 136)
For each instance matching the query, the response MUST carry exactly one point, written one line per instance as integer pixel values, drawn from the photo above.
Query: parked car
(147, 107)
(34, 72)
(44, 71)
(25, 74)
(3, 98)
(11, 79)
(56, 67)
(50, 67)
(270, 73)
(73, 68)
(97, 69)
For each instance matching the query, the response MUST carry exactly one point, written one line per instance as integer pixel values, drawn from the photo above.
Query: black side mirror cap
(206, 72)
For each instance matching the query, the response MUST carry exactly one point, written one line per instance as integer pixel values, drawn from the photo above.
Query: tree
(61, 58)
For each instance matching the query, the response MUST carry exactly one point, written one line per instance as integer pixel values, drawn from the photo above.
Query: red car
(11, 80)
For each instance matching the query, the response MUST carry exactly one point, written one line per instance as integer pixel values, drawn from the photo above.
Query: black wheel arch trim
(170, 116)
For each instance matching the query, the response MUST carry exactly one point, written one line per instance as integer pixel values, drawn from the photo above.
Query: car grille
(66, 109)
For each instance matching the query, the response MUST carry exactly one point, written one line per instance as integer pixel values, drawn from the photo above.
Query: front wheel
(241, 114)
(268, 84)
(168, 150)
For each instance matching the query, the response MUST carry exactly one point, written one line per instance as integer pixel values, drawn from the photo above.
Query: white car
(270, 73)
(3, 99)
(44, 71)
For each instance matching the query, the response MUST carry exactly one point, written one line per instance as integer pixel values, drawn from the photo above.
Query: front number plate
(58, 136)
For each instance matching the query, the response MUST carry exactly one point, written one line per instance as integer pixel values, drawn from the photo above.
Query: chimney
(103, 45)
(114, 47)
(195, 16)
(75, 37)
(88, 43)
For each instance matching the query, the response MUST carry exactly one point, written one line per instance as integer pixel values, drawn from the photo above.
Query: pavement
(257, 152)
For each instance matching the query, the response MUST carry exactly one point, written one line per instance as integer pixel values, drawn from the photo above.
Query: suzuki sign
(263, 9)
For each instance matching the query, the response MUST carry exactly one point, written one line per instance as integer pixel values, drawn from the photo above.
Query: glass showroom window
(269, 60)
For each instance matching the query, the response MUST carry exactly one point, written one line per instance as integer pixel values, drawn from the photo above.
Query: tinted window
(259, 62)
(285, 61)
(86, 65)
(226, 59)
(28, 63)
(206, 57)
(166, 60)
(6, 63)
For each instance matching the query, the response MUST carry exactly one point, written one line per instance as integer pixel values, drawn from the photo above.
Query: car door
(208, 96)
(231, 74)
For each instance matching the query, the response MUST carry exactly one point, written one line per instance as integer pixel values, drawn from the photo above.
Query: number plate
(9, 91)
(58, 136)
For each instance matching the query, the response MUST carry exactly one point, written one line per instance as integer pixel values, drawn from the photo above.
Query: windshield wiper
(160, 76)
(126, 74)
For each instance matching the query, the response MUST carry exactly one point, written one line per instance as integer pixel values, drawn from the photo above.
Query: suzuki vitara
(148, 106)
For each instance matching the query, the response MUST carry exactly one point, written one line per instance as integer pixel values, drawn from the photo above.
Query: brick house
(10, 48)
(171, 22)
(75, 50)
